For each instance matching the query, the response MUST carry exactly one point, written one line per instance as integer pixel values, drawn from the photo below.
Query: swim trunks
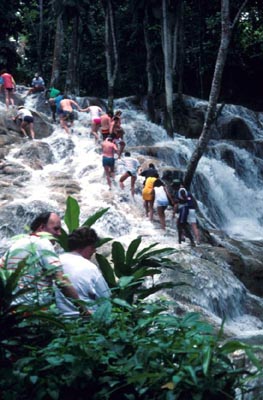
(108, 161)
(68, 115)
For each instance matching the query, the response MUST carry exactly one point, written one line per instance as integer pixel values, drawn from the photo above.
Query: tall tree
(170, 29)
(226, 33)
(57, 52)
(72, 81)
(111, 52)
(40, 37)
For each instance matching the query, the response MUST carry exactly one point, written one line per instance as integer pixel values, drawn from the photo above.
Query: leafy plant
(71, 219)
(21, 325)
(126, 276)
(138, 352)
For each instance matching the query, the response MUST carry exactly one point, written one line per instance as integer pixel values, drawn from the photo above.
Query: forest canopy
(93, 48)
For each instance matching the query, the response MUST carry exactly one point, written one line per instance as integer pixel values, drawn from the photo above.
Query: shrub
(131, 352)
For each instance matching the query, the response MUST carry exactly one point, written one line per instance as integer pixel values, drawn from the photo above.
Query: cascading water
(229, 193)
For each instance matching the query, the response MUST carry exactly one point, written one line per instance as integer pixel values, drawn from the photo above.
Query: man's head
(84, 241)
(47, 222)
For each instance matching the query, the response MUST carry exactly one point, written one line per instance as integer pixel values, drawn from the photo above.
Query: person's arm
(14, 83)
(69, 290)
(85, 109)
(169, 196)
(76, 104)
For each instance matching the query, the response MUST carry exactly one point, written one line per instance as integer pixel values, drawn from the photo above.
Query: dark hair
(151, 165)
(82, 237)
(158, 183)
(39, 220)
(127, 154)
(3, 71)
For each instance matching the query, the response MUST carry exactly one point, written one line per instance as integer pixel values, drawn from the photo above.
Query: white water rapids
(230, 201)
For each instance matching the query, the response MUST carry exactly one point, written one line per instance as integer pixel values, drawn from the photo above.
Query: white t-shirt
(85, 277)
(131, 165)
(24, 112)
(38, 253)
(95, 112)
(160, 196)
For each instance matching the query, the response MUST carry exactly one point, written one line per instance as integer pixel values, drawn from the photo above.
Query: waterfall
(228, 186)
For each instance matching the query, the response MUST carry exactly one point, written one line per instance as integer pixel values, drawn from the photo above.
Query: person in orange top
(8, 82)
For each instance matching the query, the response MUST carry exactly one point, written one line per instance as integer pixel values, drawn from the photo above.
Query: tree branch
(243, 5)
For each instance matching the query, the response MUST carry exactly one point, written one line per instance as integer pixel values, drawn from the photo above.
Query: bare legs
(109, 174)
(9, 98)
(161, 214)
(94, 131)
(148, 204)
(133, 180)
(23, 125)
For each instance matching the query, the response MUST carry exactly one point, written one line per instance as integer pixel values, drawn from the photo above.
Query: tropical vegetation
(132, 347)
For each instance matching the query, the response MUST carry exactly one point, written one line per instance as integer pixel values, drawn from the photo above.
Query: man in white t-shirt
(84, 275)
(131, 168)
(42, 264)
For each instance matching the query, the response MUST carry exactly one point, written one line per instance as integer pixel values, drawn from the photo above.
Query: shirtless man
(108, 150)
(95, 113)
(105, 121)
(67, 113)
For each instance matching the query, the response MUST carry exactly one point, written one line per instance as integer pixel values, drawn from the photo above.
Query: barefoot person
(67, 113)
(108, 150)
(105, 121)
(131, 166)
(26, 120)
(8, 82)
(95, 113)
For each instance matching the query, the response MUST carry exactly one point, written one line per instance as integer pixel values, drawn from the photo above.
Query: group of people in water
(107, 129)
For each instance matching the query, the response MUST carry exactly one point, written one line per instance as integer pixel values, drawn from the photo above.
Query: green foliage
(130, 352)
(71, 219)
(128, 271)
(21, 326)
(125, 350)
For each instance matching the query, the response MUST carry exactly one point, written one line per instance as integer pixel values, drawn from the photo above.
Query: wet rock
(36, 154)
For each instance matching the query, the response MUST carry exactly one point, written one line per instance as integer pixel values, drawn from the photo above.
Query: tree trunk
(40, 38)
(149, 67)
(72, 81)
(111, 53)
(168, 70)
(226, 32)
(179, 43)
(57, 53)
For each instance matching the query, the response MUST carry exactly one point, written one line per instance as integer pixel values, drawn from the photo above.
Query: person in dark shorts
(26, 120)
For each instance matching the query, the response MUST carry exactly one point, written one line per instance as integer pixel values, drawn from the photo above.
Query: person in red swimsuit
(8, 82)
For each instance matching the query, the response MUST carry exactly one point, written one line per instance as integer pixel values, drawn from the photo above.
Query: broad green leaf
(93, 218)
(133, 247)
(71, 217)
(125, 281)
(63, 239)
(207, 355)
(122, 303)
(143, 251)
(118, 258)
(106, 270)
